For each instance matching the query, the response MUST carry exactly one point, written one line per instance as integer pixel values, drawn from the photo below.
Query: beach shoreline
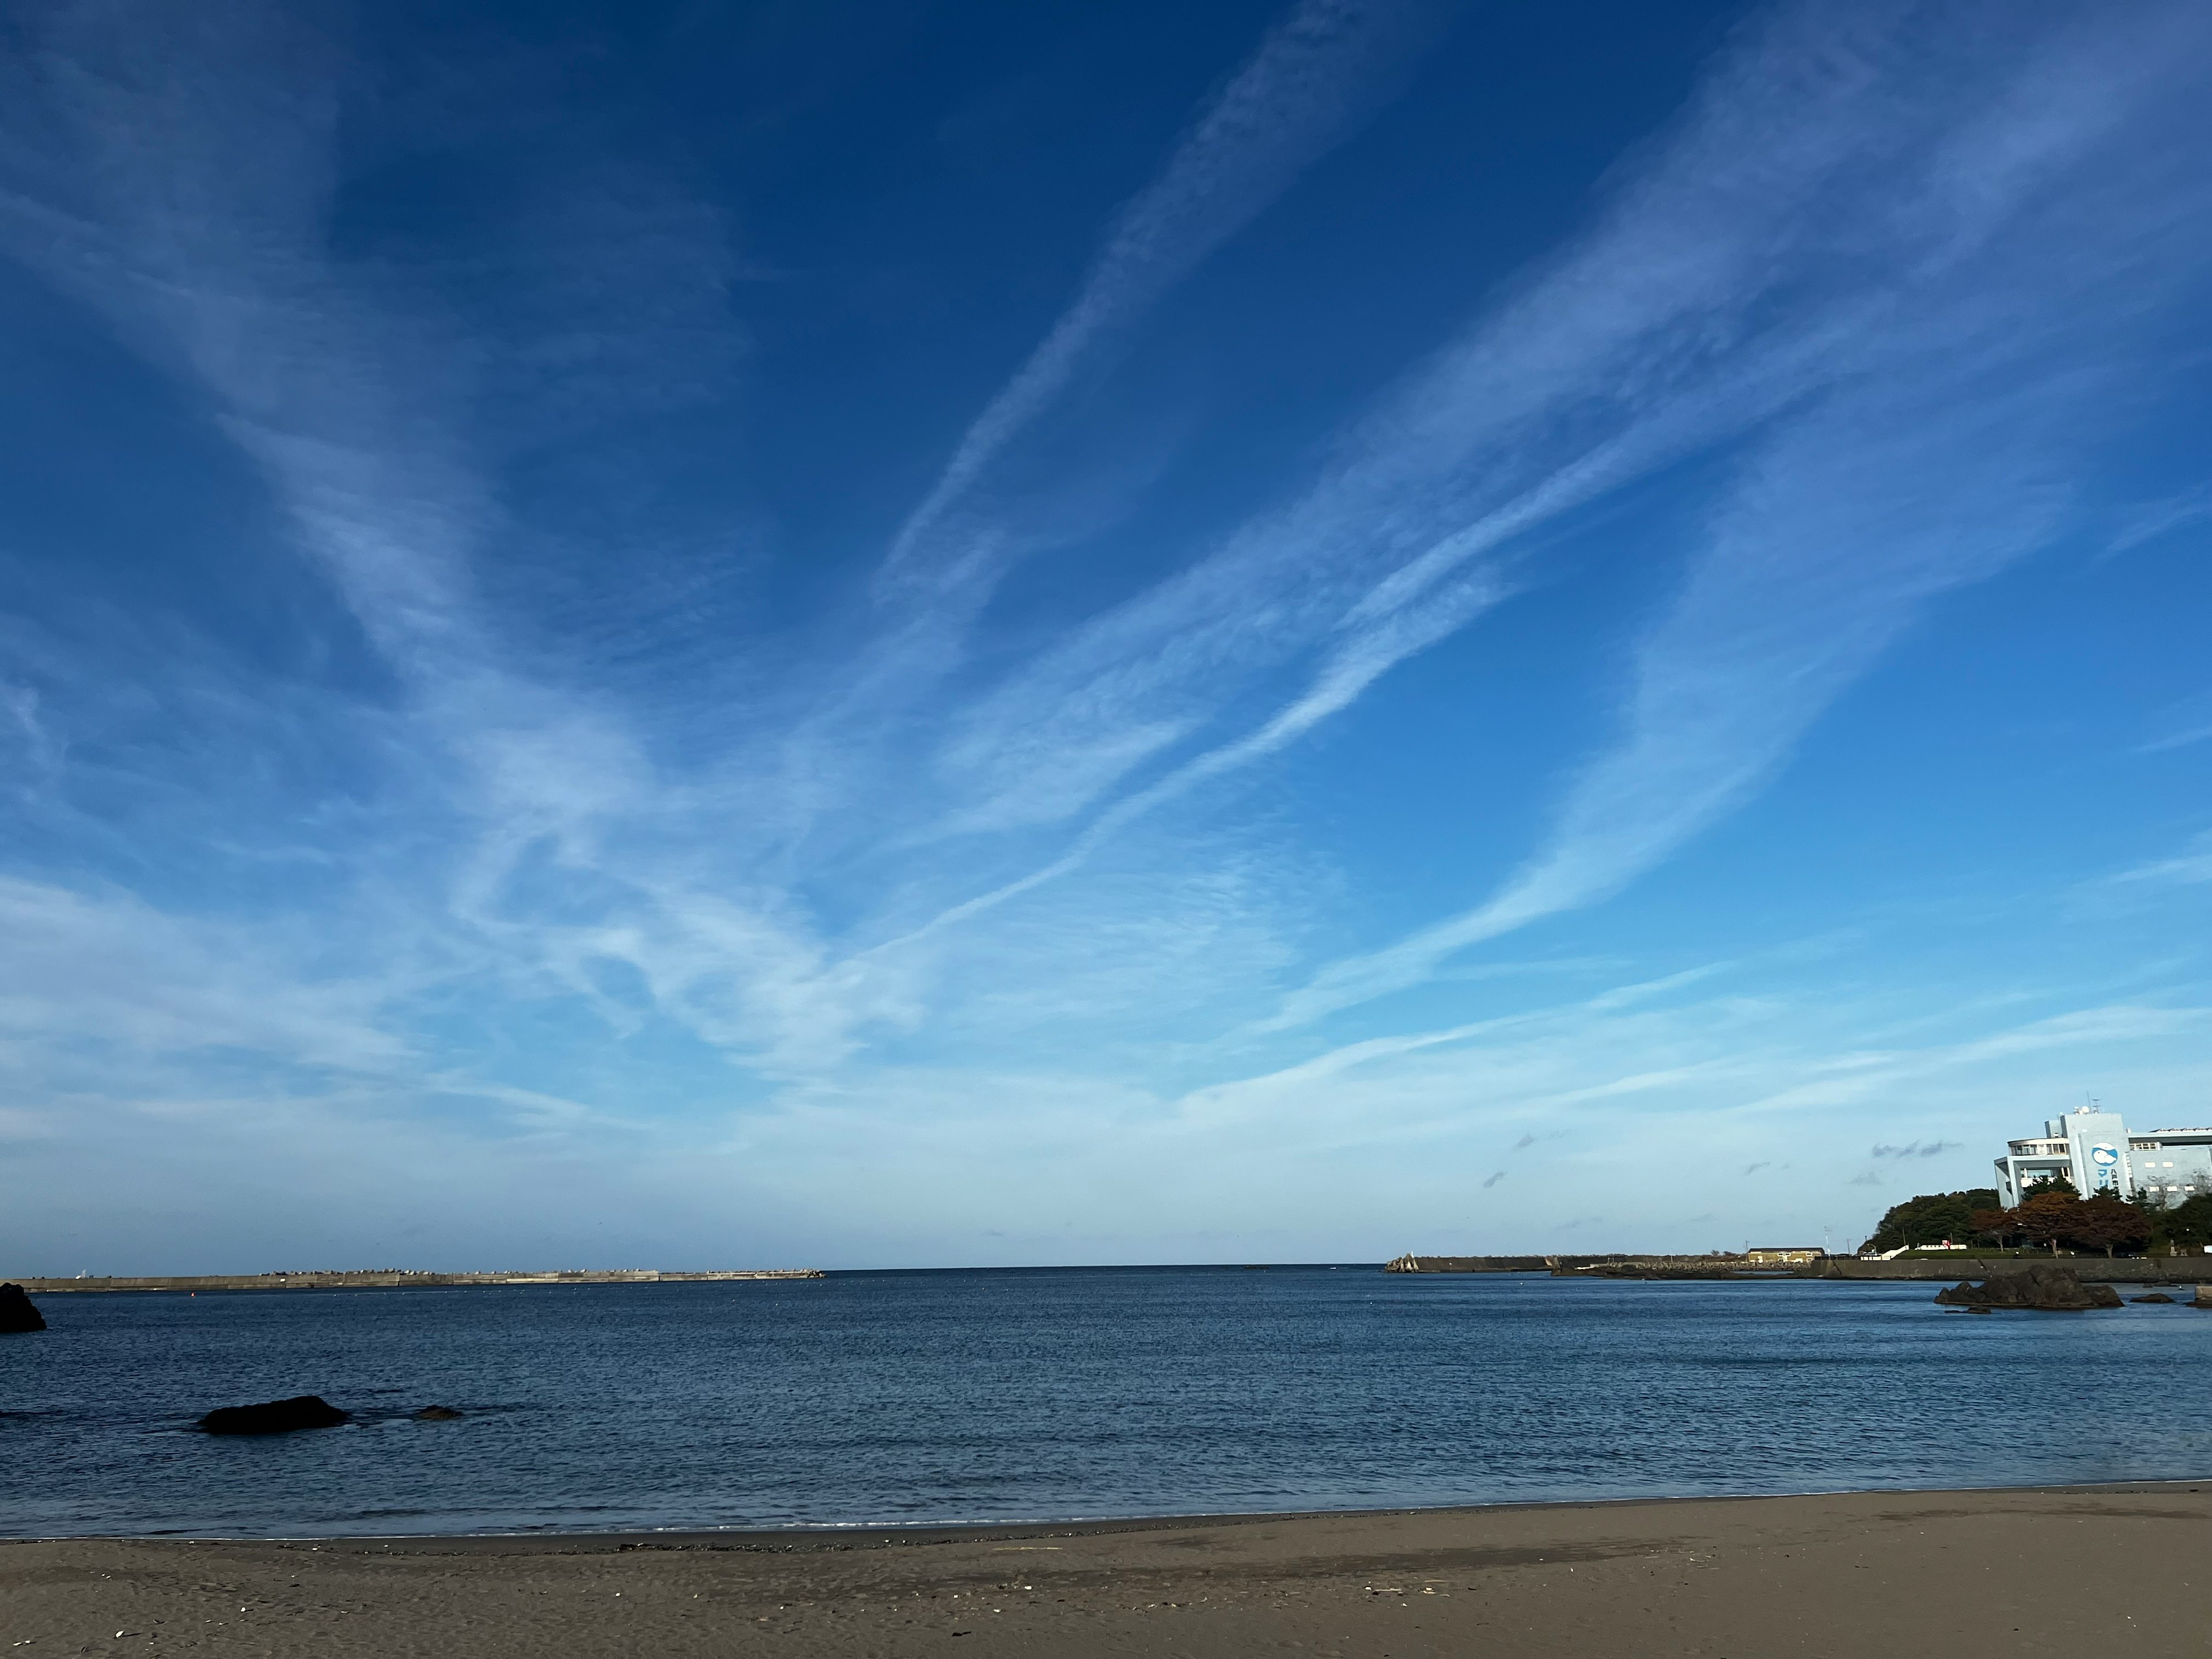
(885, 1534)
(1833, 1573)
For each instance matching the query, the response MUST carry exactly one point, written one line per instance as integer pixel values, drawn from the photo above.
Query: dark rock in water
(2155, 1295)
(17, 1311)
(436, 1414)
(1981, 1311)
(308, 1411)
(2044, 1286)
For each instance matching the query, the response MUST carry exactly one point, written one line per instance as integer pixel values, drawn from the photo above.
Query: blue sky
(702, 635)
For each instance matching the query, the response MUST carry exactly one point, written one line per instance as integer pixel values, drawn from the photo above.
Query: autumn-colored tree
(2046, 1217)
(2104, 1222)
(1999, 1225)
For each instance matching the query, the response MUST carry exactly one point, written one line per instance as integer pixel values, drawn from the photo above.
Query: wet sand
(2004, 1574)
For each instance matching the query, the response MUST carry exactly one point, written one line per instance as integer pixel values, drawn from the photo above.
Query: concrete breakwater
(2183, 1270)
(2091, 1269)
(1555, 1264)
(1469, 1264)
(400, 1279)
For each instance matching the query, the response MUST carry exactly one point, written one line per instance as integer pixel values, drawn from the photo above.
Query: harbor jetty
(2174, 1271)
(387, 1278)
(1619, 1265)
(1495, 1264)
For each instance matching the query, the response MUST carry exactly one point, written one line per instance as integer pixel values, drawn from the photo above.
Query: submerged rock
(18, 1312)
(307, 1411)
(2155, 1295)
(2044, 1286)
(436, 1414)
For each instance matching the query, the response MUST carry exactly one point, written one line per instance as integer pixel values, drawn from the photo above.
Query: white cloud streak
(180, 176)
(2191, 868)
(2188, 722)
(1317, 77)
(110, 970)
(1929, 459)
(1365, 657)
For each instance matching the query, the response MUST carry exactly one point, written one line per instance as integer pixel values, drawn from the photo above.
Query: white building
(2095, 1150)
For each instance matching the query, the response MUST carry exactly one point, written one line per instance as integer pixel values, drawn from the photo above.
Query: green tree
(1931, 1218)
(2188, 1225)
(2152, 1206)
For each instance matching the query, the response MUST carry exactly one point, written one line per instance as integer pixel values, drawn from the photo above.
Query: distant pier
(399, 1279)
(1561, 1265)
(2168, 1270)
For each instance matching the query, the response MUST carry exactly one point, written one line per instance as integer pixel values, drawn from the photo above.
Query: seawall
(2092, 1269)
(383, 1281)
(1542, 1264)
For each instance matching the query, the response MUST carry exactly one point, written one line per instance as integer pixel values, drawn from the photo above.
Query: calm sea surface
(1059, 1393)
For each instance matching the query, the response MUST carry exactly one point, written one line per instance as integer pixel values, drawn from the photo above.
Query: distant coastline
(2167, 1270)
(401, 1278)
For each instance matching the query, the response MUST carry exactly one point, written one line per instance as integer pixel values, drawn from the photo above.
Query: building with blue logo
(2096, 1151)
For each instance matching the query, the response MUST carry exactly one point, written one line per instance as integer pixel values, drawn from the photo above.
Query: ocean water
(969, 1397)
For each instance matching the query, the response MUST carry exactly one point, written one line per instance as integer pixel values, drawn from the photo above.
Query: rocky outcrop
(17, 1311)
(307, 1411)
(2155, 1295)
(437, 1415)
(2045, 1287)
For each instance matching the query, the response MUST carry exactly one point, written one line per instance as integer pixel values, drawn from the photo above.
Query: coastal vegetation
(2051, 1216)
(1931, 1218)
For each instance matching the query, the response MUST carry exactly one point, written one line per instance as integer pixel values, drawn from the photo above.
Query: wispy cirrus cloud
(2185, 869)
(2187, 722)
(558, 861)
(2148, 523)
(1803, 251)
(1843, 531)
(1320, 73)
(111, 968)
(1839, 200)
(181, 176)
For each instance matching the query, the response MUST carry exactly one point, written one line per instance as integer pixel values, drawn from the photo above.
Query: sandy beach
(2026, 1571)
